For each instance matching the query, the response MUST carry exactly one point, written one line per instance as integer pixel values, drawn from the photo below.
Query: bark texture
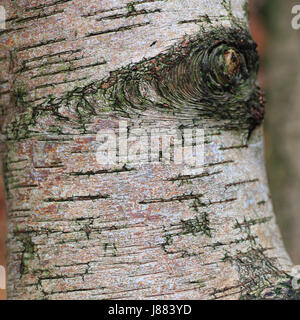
(81, 230)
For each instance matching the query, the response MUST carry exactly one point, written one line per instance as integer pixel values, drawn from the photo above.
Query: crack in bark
(47, 5)
(40, 44)
(107, 171)
(78, 198)
(38, 17)
(120, 29)
(176, 198)
(129, 14)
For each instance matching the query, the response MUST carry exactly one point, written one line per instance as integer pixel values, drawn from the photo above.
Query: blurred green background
(279, 46)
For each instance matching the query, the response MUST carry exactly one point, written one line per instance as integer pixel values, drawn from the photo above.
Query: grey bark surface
(81, 230)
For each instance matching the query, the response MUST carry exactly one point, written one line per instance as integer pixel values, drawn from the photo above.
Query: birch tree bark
(80, 229)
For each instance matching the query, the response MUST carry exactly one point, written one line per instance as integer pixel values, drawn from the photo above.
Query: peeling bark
(81, 230)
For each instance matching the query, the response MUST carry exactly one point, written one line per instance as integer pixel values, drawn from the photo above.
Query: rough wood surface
(80, 230)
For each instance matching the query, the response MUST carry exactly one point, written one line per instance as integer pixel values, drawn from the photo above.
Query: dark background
(279, 47)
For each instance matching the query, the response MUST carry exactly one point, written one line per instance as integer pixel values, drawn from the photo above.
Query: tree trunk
(82, 229)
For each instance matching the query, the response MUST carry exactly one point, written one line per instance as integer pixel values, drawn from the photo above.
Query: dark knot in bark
(226, 63)
(216, 79)
(209, 76)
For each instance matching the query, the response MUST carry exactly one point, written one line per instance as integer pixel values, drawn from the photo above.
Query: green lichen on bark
(199, 224)
(260, 278)
(27, 253)
(211, 75)
(246, 10)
